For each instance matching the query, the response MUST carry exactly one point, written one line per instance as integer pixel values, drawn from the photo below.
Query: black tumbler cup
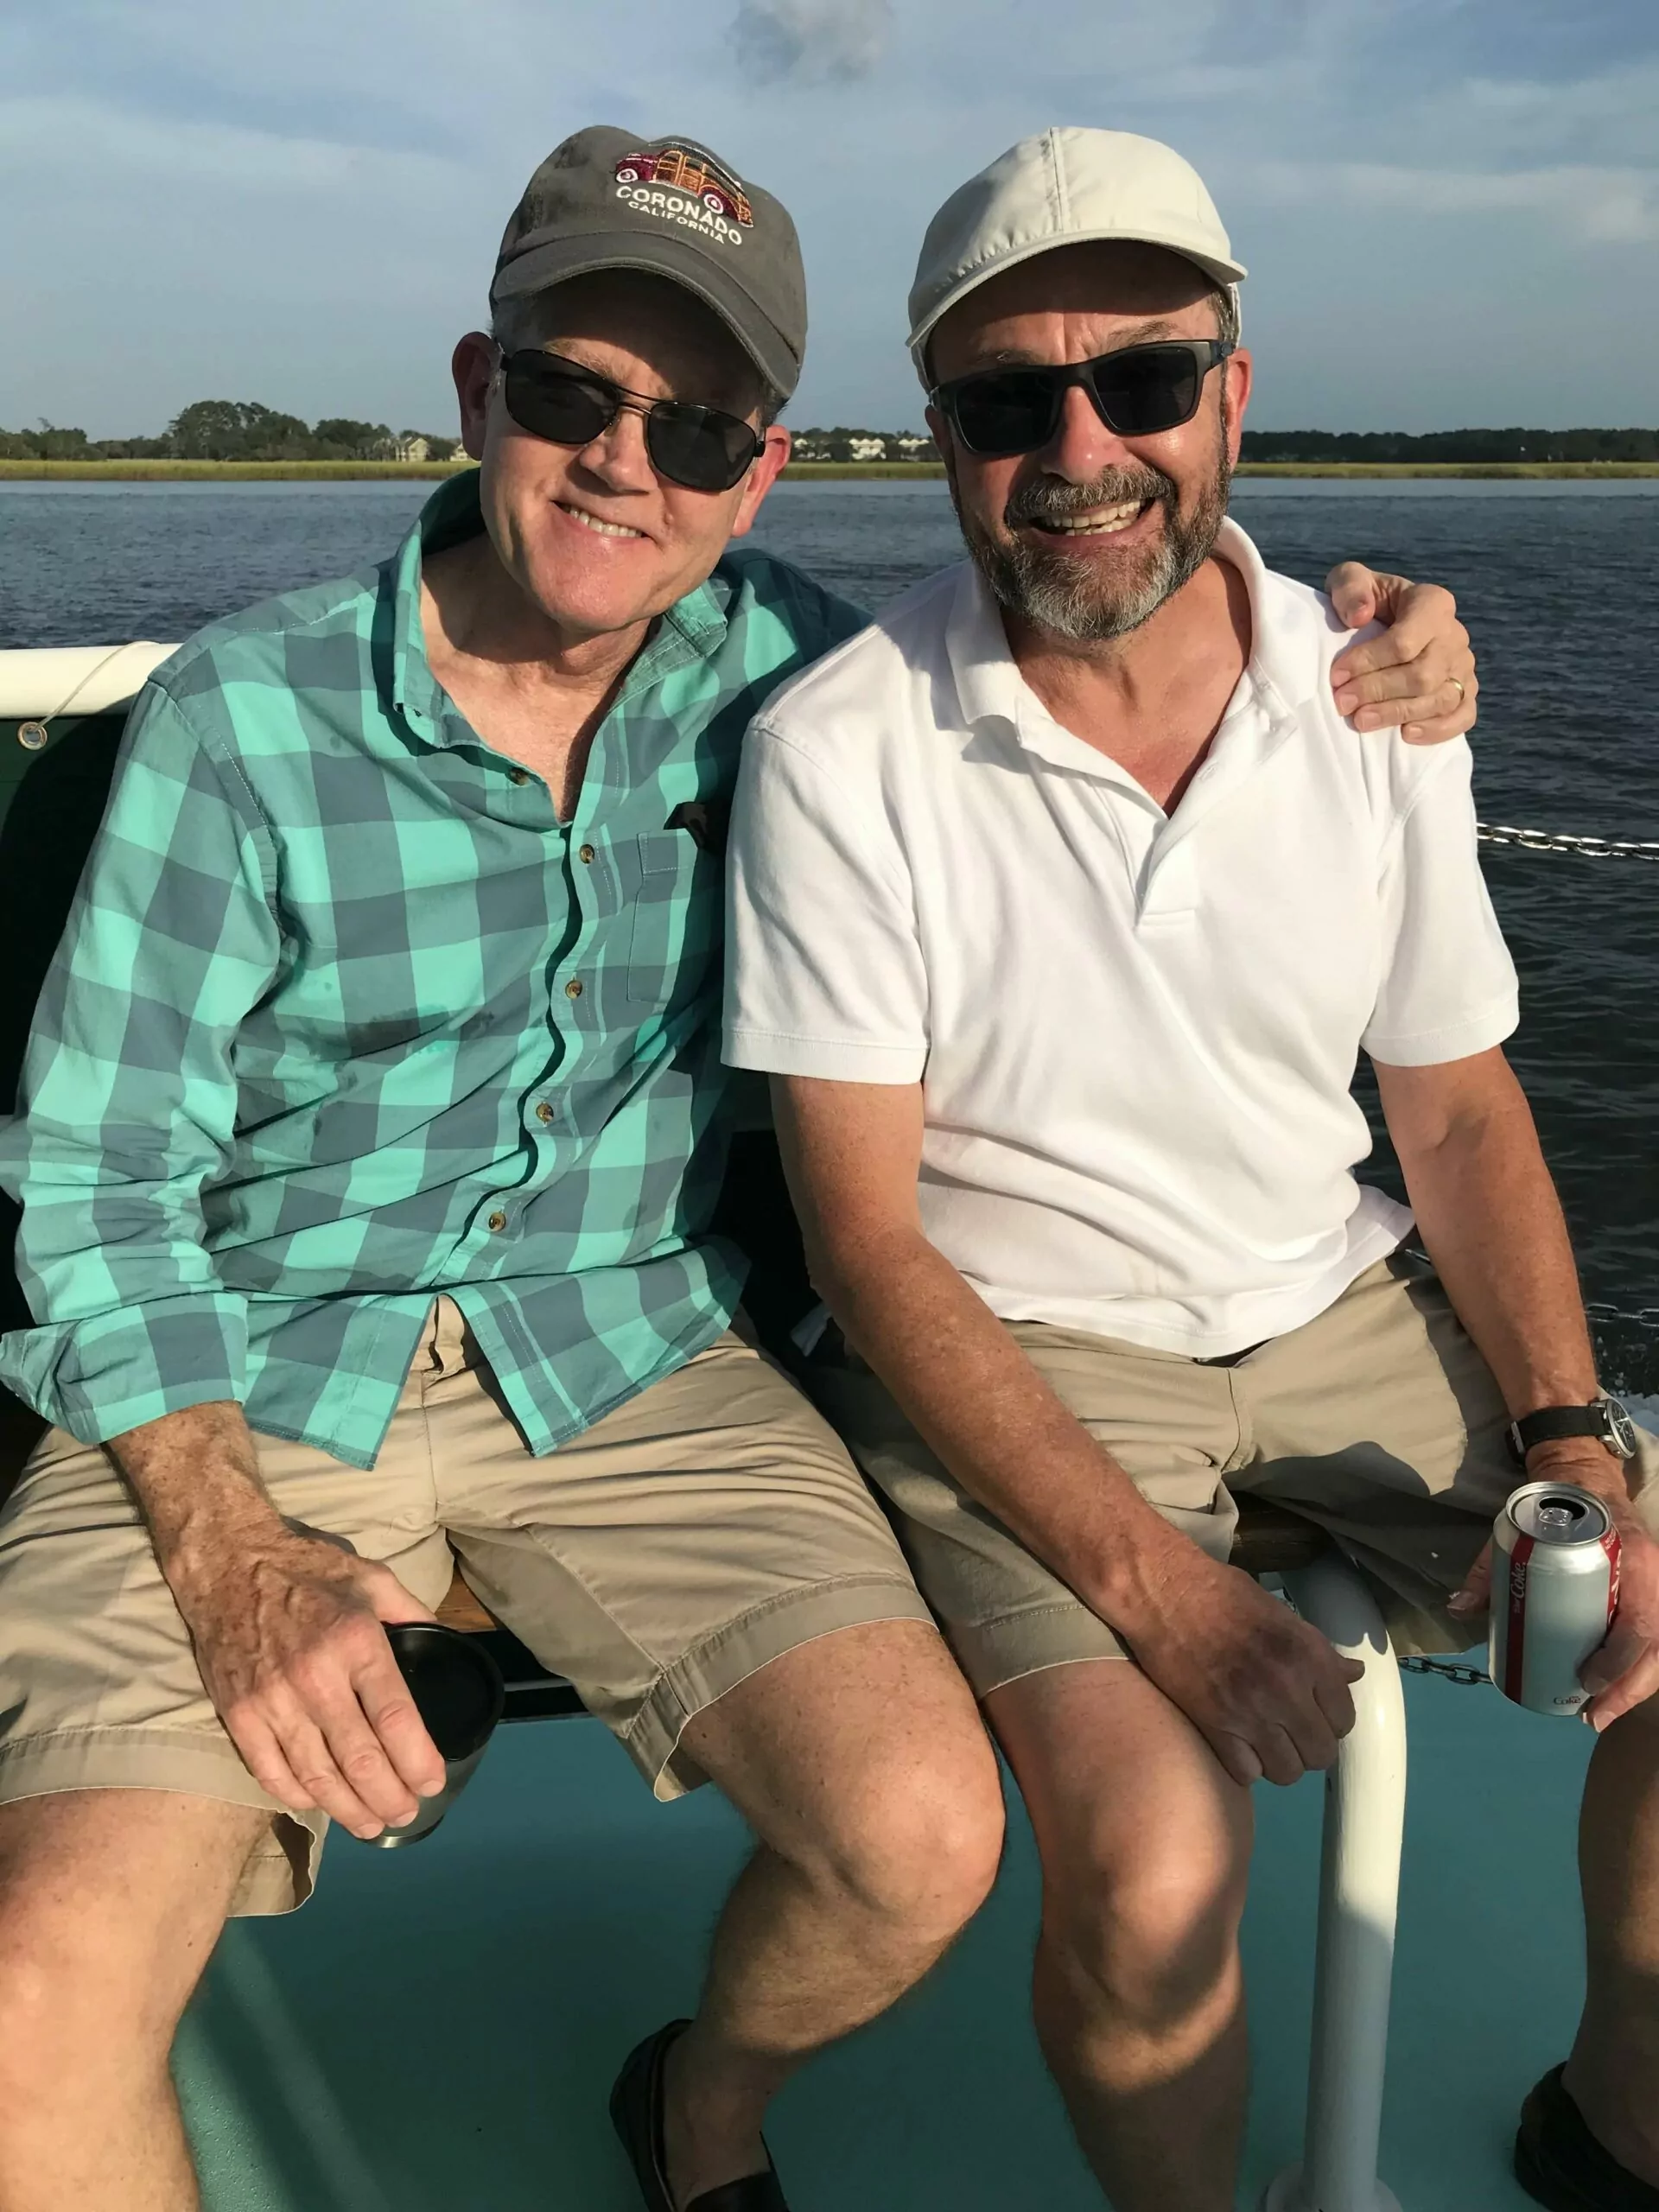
(458, 1691)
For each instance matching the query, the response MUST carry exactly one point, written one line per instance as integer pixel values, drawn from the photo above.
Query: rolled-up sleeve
(127, 1106)
(824, 973)
(1447, 987)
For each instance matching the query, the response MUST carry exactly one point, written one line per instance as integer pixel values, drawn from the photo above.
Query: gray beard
(1048, 590)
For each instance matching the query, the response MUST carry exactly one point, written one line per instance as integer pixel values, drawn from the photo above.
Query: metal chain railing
(1449, 1670)
(1639, 1317)
(1559, 841)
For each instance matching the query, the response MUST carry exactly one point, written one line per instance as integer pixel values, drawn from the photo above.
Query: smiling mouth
(1097, 522)
(596, 522)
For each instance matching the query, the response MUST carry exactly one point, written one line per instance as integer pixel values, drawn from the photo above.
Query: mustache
(1050, 499)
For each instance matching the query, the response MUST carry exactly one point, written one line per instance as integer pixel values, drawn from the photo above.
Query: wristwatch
(1603, 1418)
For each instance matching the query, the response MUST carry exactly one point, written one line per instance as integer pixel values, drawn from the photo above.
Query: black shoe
(1559, 2163)
(637, 2116)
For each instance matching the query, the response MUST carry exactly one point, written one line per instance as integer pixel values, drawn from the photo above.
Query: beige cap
(1062, 189)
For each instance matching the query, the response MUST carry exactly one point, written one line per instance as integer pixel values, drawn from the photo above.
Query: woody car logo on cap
(685, 184)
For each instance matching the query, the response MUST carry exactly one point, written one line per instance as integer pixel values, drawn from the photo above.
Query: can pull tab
(1559, 1513)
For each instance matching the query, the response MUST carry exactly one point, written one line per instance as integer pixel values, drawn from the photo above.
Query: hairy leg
(110, 1902)
(1137, 1991)
(1613, 2073)
(860, 1763)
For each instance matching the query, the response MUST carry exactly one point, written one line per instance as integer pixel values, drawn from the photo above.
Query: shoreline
(371, 472)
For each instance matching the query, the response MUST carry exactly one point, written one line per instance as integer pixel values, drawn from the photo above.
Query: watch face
(1621, 1427)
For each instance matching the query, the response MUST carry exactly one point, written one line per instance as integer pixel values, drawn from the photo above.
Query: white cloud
(202, 153)
(1617, 206)
(813, 40)
(1606, 117)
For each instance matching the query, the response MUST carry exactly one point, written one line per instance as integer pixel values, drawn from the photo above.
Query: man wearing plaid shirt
(370, 1136)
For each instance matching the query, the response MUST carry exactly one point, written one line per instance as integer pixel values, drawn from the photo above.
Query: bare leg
(1613, 2073)
(1137, 1990)
(861, 1764)
(111, 1901)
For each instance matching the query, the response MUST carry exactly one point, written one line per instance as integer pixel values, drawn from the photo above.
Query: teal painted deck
(439, 2028)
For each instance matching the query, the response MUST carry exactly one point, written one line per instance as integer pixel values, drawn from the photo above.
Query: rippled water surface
(1557, 581)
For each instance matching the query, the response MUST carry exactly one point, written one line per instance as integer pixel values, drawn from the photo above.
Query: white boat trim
(38, 684)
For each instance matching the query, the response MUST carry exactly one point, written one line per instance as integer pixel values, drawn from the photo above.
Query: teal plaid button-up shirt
(345, 1017)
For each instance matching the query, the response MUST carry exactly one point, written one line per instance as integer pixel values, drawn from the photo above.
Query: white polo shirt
(1135, 1032)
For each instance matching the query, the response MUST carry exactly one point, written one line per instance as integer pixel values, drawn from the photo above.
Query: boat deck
(439, 2028)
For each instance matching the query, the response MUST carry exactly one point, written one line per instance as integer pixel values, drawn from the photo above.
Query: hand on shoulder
(1418, 674)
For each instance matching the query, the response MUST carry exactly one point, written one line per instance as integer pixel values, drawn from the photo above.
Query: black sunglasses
(697, 447)
(1136, 392)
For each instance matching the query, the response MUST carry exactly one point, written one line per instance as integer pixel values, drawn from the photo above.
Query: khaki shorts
(1378, 1420)
(705, 1527)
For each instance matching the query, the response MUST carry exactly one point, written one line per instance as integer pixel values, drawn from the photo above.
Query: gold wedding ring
(1457, 681)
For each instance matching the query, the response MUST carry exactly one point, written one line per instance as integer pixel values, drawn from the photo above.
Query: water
(1554, 580)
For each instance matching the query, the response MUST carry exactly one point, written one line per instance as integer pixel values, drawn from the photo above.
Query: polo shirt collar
(989, 686)
(693, 629)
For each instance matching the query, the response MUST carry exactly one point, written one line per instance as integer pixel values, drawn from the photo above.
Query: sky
(1450, 208)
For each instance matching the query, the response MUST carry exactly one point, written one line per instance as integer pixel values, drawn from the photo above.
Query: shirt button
(543, 1111)
(497, 1221)
(573, 988)
(585, 855)
(518, 775)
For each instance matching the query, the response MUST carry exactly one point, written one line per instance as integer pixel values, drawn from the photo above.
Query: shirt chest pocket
(677, 900)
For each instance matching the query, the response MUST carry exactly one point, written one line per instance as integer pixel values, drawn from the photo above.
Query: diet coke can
(1554, 1591)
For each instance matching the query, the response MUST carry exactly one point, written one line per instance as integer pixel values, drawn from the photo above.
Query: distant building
(416, 445)
(843, 445)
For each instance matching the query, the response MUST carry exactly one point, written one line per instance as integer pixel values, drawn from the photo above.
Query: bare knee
(1150, 1931)
(100, 1946)
(860, 1761)
(77, 2013)
(916, 1837)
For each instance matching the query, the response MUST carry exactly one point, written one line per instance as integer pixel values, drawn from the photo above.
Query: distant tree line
(843, 444)
(240, 429)
(233, 429)
(1451, 445)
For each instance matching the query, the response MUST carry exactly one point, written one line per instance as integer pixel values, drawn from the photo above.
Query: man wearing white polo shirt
(1063, 904)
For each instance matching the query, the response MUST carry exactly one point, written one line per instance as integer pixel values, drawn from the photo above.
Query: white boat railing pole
(1359, 1891)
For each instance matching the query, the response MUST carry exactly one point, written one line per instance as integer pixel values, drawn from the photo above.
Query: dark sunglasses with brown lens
(1137, 391)
(697, 447)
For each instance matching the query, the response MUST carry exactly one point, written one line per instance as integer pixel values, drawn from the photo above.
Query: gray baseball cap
(606, 199)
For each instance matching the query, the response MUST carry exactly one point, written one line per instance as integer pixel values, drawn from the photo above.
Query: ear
(764, 470)
(472, 366)
(1238, 369)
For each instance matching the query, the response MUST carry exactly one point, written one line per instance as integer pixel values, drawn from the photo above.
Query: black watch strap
(1603, 1418)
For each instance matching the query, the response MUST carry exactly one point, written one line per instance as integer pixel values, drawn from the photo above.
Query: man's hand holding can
(1623, 1668)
